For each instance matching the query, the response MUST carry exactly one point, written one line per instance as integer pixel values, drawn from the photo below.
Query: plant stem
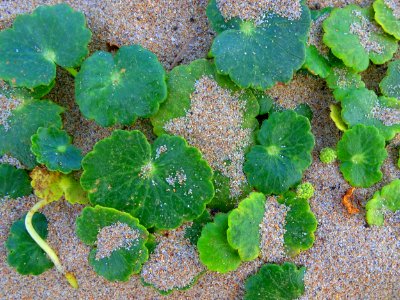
(42, 243)
(72, 71)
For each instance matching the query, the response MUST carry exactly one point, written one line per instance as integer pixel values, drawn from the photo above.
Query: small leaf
(275, 282)
(388, 198)
(30, 50)
(336, 116)
(243, 232)
(390, 85)
(387, 18)
(23, 123)
(122, 248)
(284, 153)
(215, 251)
(361, 152)
(14, 182)
(118, 90)
(353, 37)
(163, 184)
(260, 54)
(24, 254)
(193, 232)
(315, 63)
(342, 80)
(53, 148)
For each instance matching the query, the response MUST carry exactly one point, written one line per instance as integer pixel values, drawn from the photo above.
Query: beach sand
(349, 260)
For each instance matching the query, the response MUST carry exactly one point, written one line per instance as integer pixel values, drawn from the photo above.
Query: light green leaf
(50, 36)
(390, 85)
(315, 63)
(385, 16)
(243, 232)
(128, 238)
(361, 152)
(215, 251)
(388, 198)
(275, 282)
(342, 80)
(163, 184)
(14, 182)
(119, 89)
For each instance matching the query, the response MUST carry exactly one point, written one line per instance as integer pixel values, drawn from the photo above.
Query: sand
(349, 259)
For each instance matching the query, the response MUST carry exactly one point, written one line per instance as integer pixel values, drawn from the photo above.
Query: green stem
(72, 71)
(42, 243)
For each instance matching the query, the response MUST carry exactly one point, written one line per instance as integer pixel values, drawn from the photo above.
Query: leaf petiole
(72, 71)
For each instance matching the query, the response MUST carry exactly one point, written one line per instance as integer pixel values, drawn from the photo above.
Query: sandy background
(348, 261)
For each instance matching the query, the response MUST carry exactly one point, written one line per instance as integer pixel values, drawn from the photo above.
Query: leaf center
(247, 28)
(358, 158)
(49, 55)
(147, 170)
(62, 148)
(273, 150)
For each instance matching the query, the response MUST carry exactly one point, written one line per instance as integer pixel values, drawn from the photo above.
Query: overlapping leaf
(386, 17)
(14, 182)
(390, 85)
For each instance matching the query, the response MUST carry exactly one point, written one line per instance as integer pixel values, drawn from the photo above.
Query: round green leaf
(385, 16)
(353, 37)
(284, 153)
(23, 253)
(14, 182)
(362, 106)
(214, 249)
(118, 89)
(243, 232)
(260, 55)
(388, 198)
(23, 123)
(274, 282)
(53, 148)
(124, 260)
(361, 152)
(30, 50)
(390, 85)
(163, 184)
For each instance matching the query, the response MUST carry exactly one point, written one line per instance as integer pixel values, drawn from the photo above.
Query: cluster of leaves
(159, 186)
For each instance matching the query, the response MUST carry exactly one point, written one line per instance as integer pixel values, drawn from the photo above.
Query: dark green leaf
(193, 232)
(14, 182)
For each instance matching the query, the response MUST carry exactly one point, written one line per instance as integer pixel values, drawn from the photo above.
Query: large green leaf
(284, 153)
(24, 254)
(53, 148)
(388, 198)
(260, 55)
(118, 89)
(390, 85)
(130, 252)
(386, 17)
(163, 184)
(361, 152)
(275, 282)
(243, 232)
(353, 37)
(23, 123)
(30, 50)
(362, 106)
(215, 251)
(14, 182)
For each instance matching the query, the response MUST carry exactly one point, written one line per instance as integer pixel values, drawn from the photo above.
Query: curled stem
(42, 243)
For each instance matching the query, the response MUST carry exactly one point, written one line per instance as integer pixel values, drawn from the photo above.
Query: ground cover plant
(226, 156)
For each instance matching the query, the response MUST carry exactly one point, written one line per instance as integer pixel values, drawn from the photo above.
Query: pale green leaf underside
(14, 182)
(390, 85)
(122, 262)
(50, 36)
(361, 152)
(385, 17)
(163, 184)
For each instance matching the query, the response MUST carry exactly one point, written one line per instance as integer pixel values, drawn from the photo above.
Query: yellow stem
(42, 243)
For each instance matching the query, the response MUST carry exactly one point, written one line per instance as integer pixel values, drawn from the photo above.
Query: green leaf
(385, 16)
(353, 37)
(193, 232)
(14, 182)
(315, 63)
(217, 21)
(264, 101)
(24, 93)
(117, 89)
(23, 253)
(361, 152)
(274, 282)
(390, 85)
(362, 106)
(23, 123)
(300, 226)
(163, 184)
(214, 249)
(284, 153)
(260, 55)
(130, 252)
(388, 198)
(50, 36)
(243, 232)
(336, 116)
(52, 147)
